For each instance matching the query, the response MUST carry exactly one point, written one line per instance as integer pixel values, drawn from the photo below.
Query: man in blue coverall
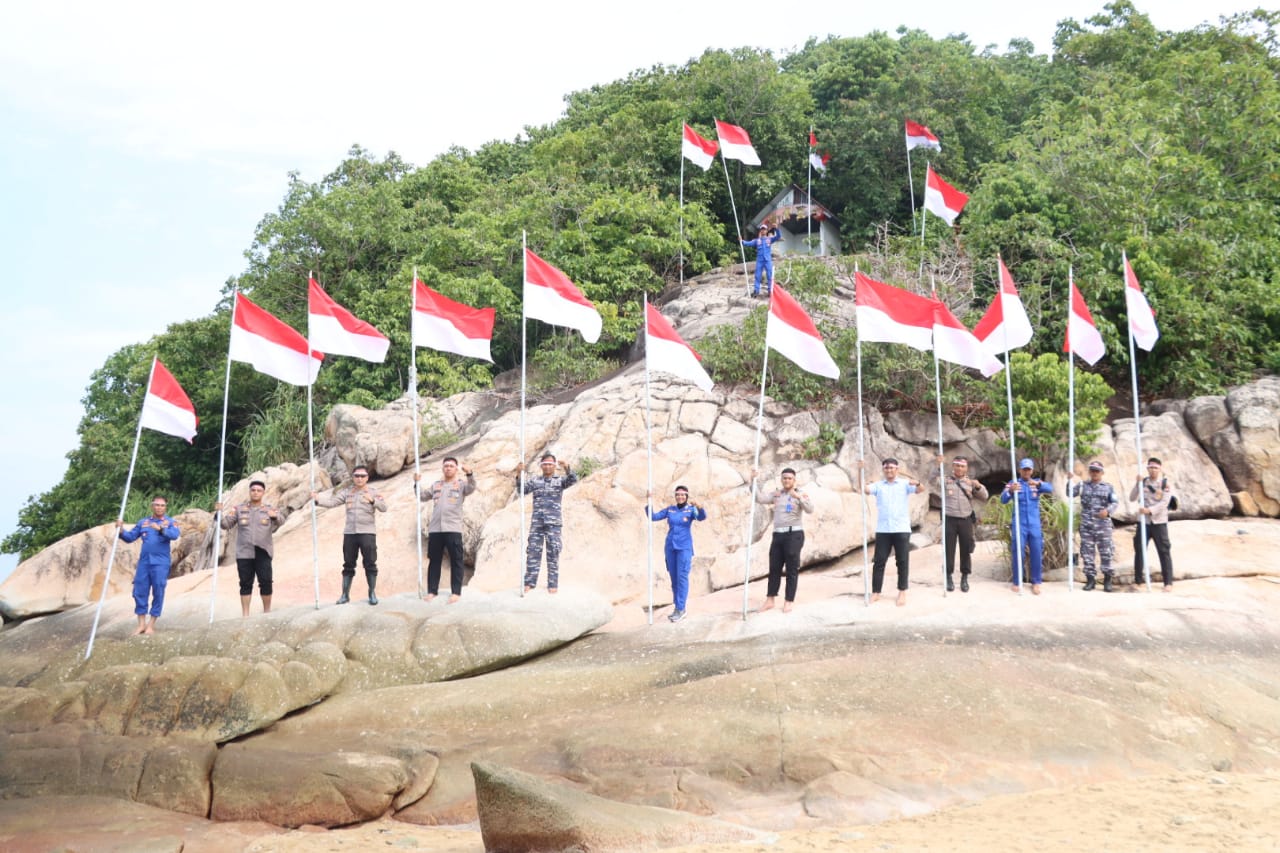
(152, 574)
(1027, 531)
(679, 548)
(764, 257)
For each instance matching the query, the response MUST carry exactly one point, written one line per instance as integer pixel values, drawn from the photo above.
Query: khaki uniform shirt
(786, 507)
(1155, 497)
(254, 527)
(447, 497)
(359, 510)
(962, 501)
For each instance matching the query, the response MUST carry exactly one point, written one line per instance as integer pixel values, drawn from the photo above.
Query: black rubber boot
(372, 578)
(1107, 585)
(951, 583)
(346, 590)
(964, 582)
(1090, 583)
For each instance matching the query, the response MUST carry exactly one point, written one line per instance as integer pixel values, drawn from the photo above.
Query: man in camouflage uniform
(547, 521)
(255, 523)
(1097, 504)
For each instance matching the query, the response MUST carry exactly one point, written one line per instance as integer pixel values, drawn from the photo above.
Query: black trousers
(364, 544)
(899, 543)
(259, 566)
(1158, 533)
(784, 551)
(437, 544)
(959, 530)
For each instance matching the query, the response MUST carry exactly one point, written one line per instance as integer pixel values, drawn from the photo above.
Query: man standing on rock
(893, 527)
(679, 546)
(1027, 491)
(255, 523)
(545, 526)
(360, 534)
(962, 495)
(788, 503)
(152, 573)
(764, 258)
(1098, 504)
(444, 531)
(1156, 495)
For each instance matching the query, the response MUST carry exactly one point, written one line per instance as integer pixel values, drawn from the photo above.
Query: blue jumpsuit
(679, 547)
(152, 573)
(1029, 519)
(764, 260)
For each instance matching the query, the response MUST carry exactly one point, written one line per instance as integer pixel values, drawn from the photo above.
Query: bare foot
(786, 606)
(902, 598)
(1035, 589)
(431, 596)
(768, 604)
(552, 590)
(1015, 587)
(528, 589)
(453, 599)
(875, 596)
(1168, 587)
(139, 630)
(148, 631)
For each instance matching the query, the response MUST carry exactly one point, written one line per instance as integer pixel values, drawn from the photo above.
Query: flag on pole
(440, 323)
(954, 343)
(167, 408)
(891, 315)
(817, 160)
(701, 151)
(735, 144)
(335, 330)
(1005, 326)
(271, 346)
(550, 296)
(1083, 337)
(1142, 320)
(941, 199)
(792, 333)
(666, 350)
(919, 136)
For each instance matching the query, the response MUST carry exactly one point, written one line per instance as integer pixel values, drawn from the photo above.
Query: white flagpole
(755, 467)
(937, 395)
(738, 227)
(924, 217)
(1071, 441)
(1015, 540)
(417, 452)
(311, 451)
(222, 458)
(682, 159)
(1137, 436)
(648, 436)
(809, 196)
(911, 184)
(524, 360)
(862, 486)
(115, 538)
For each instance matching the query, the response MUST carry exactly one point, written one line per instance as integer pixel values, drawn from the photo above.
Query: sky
(142, 142)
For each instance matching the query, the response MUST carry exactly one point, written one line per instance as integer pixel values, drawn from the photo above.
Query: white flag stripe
(326, 334)
(1014, 331)
(805, 350)
(675, 358)
(695, 154)
(875, 326)
(1142, 320)
(543, 303)
(162, 416)
(438, 333)
(276, 360)
(1086, 340)
(959, 346)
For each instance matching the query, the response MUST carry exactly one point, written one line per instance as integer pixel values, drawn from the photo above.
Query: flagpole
(311, 451)
(524, 360)
(1016, 538)
(1137, 434)
(911, 184)
(755, 466)
(924, 217)
(862, 485)
(1071, 439)
(417, 452)
(682, 158)
(937, 396)
(809, 194)
(737, 227)
(648, 437)
(222, 455)
(115, 539)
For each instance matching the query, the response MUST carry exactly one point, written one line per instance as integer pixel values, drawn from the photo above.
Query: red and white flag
(1005, 326)
(442, 324)
(941, 199)
(1142, 320)
(1083, 337)
(735, 144)
(954, 343)
(666, 351)
(550, 296)
(167, 408)
(817, 160)
(792, 333)
(270, 345)
(701, 151)
(891, 315)
(333, 329)
(919, 136)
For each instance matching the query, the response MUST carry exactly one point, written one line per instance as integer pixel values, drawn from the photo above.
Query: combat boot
(346, 590)
(1091, 583)
(1107, 585)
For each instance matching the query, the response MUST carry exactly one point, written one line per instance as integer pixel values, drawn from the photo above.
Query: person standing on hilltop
(678, 549)
(255, 523)
(359, 536)
(547, 522)
(151, 576)
(893, 527)
(1098, 503)
(1027, 491)
(444, 531)
(763, 245)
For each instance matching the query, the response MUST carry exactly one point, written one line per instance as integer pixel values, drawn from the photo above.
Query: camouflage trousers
(538, 535)
(1096, 534)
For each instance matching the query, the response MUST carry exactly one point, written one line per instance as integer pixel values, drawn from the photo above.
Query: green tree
(1040, 407)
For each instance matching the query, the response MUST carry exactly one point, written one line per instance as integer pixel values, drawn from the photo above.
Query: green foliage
(1054, 520)
(566, 360)
(278, 433)
(586, 466)
(432, 431)
(824, 446)
(1041, 412)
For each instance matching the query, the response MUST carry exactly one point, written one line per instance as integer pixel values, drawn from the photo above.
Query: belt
(796, 529)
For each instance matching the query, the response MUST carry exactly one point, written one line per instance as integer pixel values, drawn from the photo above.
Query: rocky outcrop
(1241, 432)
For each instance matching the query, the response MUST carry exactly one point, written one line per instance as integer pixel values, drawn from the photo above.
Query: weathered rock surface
(520, 812)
